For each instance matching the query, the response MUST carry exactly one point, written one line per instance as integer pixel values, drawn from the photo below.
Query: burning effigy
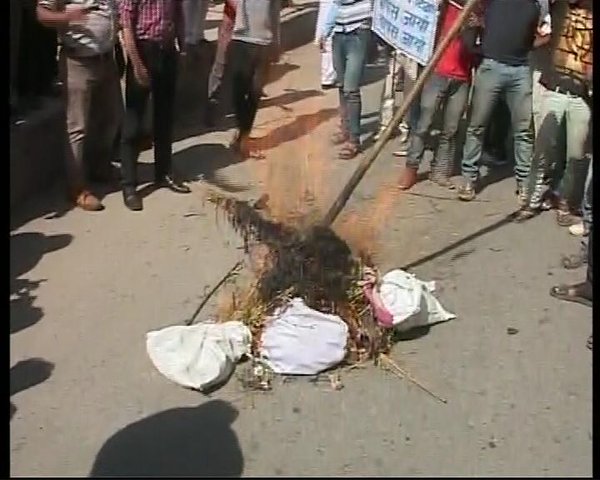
(312, 263)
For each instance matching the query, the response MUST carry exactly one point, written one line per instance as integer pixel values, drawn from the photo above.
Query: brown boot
(408, 178)
(88, 201)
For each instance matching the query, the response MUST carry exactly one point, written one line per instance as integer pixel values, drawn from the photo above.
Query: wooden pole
(371, 156)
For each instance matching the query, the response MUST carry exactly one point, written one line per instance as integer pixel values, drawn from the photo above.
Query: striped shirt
(346, 16)
(153, 20)
(96, 35)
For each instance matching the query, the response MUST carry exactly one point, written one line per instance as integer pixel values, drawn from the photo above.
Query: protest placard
(408, 25)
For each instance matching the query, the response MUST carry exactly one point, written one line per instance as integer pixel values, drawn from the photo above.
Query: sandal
(349, 151)
(578, 293)
(525, 213)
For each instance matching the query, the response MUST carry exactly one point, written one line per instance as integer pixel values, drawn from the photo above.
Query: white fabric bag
(411, 301)
(298, 340)
(198, 356)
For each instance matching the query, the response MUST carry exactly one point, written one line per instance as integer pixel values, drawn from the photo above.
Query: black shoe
(132, 200)
(174, 185)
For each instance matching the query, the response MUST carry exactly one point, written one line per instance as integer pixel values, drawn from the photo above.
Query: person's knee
(352, 95)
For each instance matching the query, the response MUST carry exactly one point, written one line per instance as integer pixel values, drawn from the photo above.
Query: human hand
(141, 75)
(322, 41)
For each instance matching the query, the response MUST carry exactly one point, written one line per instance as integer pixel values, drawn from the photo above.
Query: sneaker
(579, 230)
(466, 191)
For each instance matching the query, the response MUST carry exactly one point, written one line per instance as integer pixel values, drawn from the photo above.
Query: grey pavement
(85, 289)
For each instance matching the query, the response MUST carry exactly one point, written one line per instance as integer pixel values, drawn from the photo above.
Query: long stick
(232, 271)
(368, 159)
(404, 374)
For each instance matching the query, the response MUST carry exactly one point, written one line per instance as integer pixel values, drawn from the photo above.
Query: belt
(558, 88)
(160, 44)
(100, 57)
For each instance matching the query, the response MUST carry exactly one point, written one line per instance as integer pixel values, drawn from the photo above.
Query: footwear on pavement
(408, 179)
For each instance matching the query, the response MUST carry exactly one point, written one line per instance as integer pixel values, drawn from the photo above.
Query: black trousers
(161, 64)
(247, 66)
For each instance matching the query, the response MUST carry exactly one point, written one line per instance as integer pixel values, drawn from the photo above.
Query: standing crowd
(518, 77)
(518, 74)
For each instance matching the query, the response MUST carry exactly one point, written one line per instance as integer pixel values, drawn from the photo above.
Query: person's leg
(163, 81)
(586, 204)
(81, 79)
(191, 10)
(456, 103)
(487, 86)
(107, 106)
(578, 116)
(433, 91)
(201, 23)
(386, 110)
(582, 292)
(136, 101)
(328, 76)
(357, 43)
(339, 61)
(518, 99)
(546, 150)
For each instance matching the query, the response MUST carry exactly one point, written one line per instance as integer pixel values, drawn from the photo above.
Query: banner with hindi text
(407, 25)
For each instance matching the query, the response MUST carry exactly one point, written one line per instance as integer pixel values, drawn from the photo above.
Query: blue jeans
(493, 81)
(571, 115)
(451, 95)
(349, 57)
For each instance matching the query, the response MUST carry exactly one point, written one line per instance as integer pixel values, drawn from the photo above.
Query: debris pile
(311, 263)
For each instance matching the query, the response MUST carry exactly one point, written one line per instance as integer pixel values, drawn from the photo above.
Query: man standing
(350, 22)
(503, 73)
(567, 104)
(150, 31)
(88, 30)
(448, 88)
(255, 31)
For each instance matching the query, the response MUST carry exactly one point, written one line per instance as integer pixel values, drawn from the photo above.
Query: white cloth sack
(300, 341)
(411, 301)
(198, 356)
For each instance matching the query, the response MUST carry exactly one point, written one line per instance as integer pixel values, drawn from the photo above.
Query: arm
(329, 23)
(127, 9)
(544, 32)
(51, 15)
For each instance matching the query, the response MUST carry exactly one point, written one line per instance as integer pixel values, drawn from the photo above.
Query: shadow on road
(26, 250)
(204, 161)
(300, 126)
(27, 374)
(469, 238)
(194, 442)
